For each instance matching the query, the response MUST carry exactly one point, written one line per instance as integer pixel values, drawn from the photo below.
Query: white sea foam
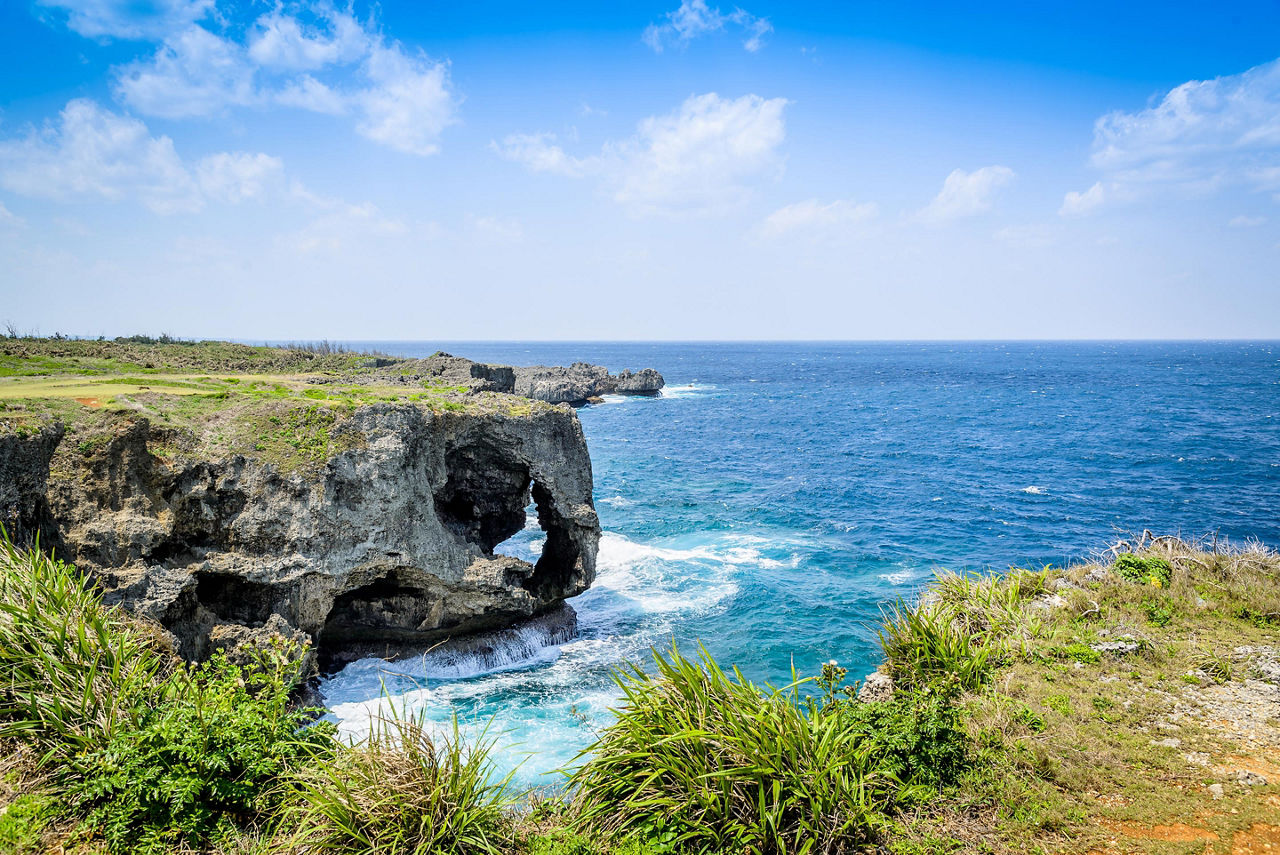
(1035, 491)
(898, 577)
(689, 390)
(617, 502)
(542, 696)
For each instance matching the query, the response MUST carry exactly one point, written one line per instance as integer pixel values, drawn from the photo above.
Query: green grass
(403, 791)
(72, 671)
(1007, 732)
(706, 761)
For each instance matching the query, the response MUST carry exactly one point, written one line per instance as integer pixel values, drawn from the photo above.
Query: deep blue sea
(775, 496)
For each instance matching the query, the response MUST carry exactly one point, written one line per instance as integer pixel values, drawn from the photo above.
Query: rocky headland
(352, 502)
(577, 384)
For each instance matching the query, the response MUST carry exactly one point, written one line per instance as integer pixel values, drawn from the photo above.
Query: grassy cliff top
(284, 405)
(30, 357)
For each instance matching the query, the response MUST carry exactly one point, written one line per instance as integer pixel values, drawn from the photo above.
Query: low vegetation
(289, 406)
(1116, 706)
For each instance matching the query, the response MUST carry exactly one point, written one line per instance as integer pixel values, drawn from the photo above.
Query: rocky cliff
(386, 538)
(575, 384)
(581, 381)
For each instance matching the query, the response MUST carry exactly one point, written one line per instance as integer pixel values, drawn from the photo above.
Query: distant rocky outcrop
(582, 381)
(576, 384)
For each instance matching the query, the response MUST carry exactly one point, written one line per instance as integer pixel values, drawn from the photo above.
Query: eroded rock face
(24, 472)
(390, 543)
(581, 381)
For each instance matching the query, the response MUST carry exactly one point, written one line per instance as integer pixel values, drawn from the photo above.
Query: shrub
(918, 737)
(1158, 612)
(400, 791)
(703, 760)
(1149, 570)
(72, 671)
(922, 646)
(208, 754)
(1078, 652)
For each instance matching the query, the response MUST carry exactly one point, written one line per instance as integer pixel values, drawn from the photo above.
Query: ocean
(776, 496)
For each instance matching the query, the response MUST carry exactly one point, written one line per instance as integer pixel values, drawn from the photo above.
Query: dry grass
(1090, 750)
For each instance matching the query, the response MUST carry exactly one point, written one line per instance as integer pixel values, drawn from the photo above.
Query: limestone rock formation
(582, 381)
(577, 384)
(390, 542)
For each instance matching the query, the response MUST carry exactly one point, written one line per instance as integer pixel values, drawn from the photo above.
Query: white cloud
(280, 41)
(408, 103)
(94, 152)
(307, 93)
(195, 73)
(342, 225)
(539, 153)
(695, 18)
(404, 101)
(1244, 222)
(1076, 204)
(1200, 136)
(239, 176)
(130, 19)
(700, 158)
(966, 194)
(811, 218)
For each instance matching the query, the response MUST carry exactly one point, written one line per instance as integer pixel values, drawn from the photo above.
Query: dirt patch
(1178, 832)
(1258, 765)
(92, 403)
(1256, 840)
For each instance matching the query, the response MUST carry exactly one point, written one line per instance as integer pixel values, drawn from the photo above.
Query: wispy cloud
(1245, 222)
(702, 157)
(314, 58)
(694, 18)
(1076, 204)
(1199, 137)
(967, 194)
(540, 153)
(91, 151)
(129, 19)
(812, 219)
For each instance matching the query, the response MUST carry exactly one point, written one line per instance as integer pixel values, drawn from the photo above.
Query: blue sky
(667, 170)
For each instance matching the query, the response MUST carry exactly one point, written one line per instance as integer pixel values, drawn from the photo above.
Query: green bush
(702, 760)
(918, 737)
(72, 671)
(923, 646)
(1151, 570)
(207, 755)
(1076, 651)
(400, 792)
(1159, 612)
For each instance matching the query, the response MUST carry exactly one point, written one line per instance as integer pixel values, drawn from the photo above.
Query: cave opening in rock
(384, 609)
(484, 498)
(235, 599)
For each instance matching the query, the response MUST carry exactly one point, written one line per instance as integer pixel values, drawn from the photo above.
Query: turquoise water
(776, 495)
